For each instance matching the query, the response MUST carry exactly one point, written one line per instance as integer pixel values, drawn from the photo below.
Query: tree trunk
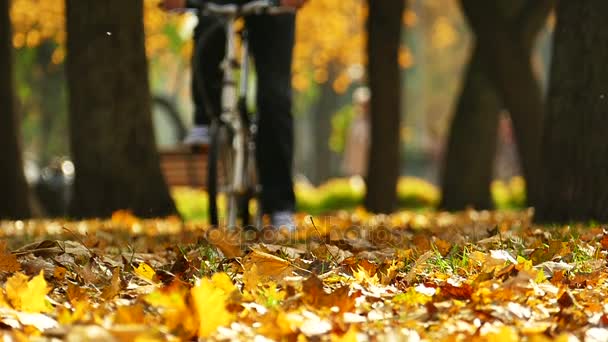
(112, 140)
(384, 37)
(471, 148)
(492, 80)
(326, 106)
(14, 195)
(575, 148)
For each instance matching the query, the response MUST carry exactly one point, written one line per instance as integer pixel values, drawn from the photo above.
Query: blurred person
(271, 41)
(356, 148)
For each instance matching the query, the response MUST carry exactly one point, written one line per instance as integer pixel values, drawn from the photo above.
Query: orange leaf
(113, 289)
(462, 292)
(76, 293)
(8, 261)
(268, 266)
(316, 296)
(228, 242)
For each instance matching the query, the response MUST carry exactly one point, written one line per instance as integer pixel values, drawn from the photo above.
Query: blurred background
(329, 68)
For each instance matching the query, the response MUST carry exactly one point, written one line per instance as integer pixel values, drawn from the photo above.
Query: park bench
(183, 167)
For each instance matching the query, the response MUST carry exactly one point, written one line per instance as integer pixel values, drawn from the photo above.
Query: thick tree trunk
(471, 148)
(384, 36)
(492, 80)
(575, 145)
(112, 140)
(14, 199)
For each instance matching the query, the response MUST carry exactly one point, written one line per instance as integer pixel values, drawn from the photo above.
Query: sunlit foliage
(35, 22)
(329, 32)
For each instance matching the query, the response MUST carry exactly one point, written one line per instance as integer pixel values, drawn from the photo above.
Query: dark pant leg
(271, 40)
(209, 46)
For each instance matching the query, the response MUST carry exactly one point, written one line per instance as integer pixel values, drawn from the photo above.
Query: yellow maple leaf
(3, 301)
(223, 282)
(146, 272)
(210, 306)
(172, 304)
(504, 333)
(28, 295)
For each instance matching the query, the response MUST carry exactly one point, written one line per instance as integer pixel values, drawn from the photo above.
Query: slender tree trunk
(575, 145)
(326, 106)
(384, 36)
(471, 148)
(492, 80)
(14, 195)
(112, 140)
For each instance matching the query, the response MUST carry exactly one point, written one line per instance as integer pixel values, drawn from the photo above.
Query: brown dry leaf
(44, 249)
(604, 242)
(115, 286)
(462, 292)
(228, 242)
(268, 266)
(28, 295)
(76, 293)
(443, 247)
(59, 273)
(566, 300)
(547, 253)
(8, 261)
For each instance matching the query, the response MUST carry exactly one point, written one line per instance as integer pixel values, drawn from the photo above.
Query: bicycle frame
(233, 98)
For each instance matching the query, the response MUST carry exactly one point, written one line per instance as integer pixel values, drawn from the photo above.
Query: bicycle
(233, 131)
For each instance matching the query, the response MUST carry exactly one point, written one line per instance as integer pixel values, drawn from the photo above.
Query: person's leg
(271, 40)
(209, 45)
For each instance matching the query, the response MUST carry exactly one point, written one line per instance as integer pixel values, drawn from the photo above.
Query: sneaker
(198, 135)
(283, 220)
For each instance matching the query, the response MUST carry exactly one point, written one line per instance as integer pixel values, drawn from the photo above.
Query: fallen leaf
(209, 302)
(76, 293)
(59, 273)
(349, 336)
(228, 242)
(115, 286)
(268, 266)
(146, 272)
(316, 296)
(8, 261)
(28, 295)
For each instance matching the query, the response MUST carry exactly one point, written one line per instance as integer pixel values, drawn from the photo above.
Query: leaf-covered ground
(346, 277)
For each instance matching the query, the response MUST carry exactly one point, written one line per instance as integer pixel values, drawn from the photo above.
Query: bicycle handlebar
(252, 7)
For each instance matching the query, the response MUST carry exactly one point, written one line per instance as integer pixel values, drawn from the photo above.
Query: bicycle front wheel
(227, 205)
